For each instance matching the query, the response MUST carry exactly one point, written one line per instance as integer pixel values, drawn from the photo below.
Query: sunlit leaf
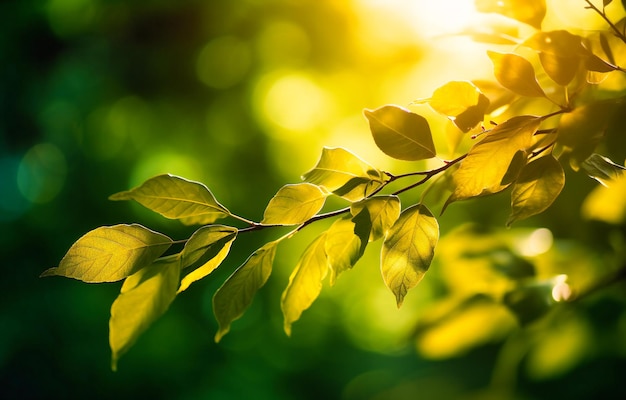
(205, 241)
(560, 69)
(537, 186)
(581, 130)
(607, 204)
(294, 204)
(344, 174)
(236, 294)
(602, 169)
(400, 133)
(382, 211)
(177, 198)
(516, 74)
(488, 162)
(305, 282)
(560, 43)
(408, 250)
(530, 12)
(344, 246)
(462, 102)
(144, 297)
(111, 253)
(211, 245)
(499, 97)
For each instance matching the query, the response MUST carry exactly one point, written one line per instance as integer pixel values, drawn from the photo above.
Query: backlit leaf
(560, 69)
(111, 253)
(537, 186)
(602, 169)
(305, 282)
(489, 161)
(581, 130)
(344, 174)
(400, 133)
(211, 245)
(294, 204)
(236, 294)
(559, 43)
(516, 74)
(382, 211)
(144, 297)
(205, 241)
(530, 12)
(344, 246)
(408, 250)
(462, 102)
(607, 204)
(176, 198)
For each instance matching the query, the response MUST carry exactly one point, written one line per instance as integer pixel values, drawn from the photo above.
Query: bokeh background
(97, 96)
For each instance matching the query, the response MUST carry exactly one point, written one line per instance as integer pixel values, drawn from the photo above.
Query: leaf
(305, 282)
(607, 204)
(561, 70)
(559, 43)
(205, 241)
(344, 246)
(462, 102)
(111, 253)
(344, 174)
(537, 186)
(400, 133)
(211, 244)
(176, 198)
(294, 204)
(487, 167)
(144, 297)
(236, 294)
(516, 74)
(382, 211)
(408, 250)
(530, 12)
(602, 169)
(581, 130)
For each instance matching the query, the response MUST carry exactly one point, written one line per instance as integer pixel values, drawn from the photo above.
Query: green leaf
(462, 102)
(344, 174)
(581, 130)
(305, 282)
(602, 169)
(344, 246)
(537, 186)
(382, 211)
(294, 204)
(144, 297)
(236, 294)
(111, 253)
(206, 241)
(400, 133)
(408, 250)
(176, 198)
(209, 244)
(530, 12)
(487, 167)
(516, 74)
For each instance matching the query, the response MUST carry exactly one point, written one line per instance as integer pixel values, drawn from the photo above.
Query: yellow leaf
(530, 12)
(144, 297)
(516, 74)
(211, 243)
(462, 102)
(305, 282)
(176, 198)
(489, 161)
(111, 253)
(344, 246)
(537, 186)
(607, 204)
(236, 294)
(400, 133)
(294, 204)
(344, 174)
(382, 211)
(408, 250)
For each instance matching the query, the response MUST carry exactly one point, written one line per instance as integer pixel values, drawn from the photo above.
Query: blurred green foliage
(96, 97)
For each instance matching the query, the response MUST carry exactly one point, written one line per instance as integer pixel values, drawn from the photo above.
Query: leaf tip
(221, 333)
(49, 272)
(287, 328)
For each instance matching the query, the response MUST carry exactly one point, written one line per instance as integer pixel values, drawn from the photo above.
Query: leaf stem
(602, 14)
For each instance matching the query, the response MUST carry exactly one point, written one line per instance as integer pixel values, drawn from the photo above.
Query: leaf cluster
(508, 149)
